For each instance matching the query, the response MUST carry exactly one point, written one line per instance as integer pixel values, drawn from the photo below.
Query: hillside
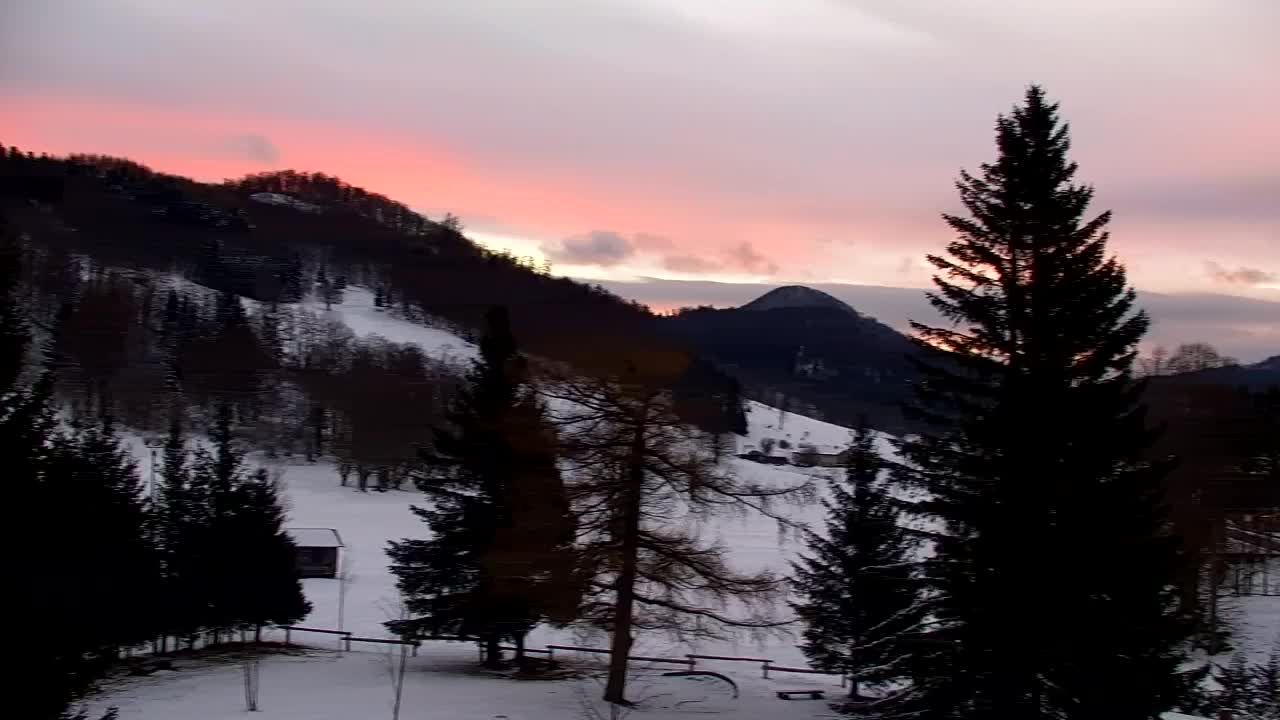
(802, 349)
(1257, 376)
(281, 237)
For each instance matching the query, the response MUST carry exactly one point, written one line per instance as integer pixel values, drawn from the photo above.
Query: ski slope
(365, 319)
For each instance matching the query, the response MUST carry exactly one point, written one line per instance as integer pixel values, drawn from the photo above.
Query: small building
(812, 456)
(317, 551)
(757, 456)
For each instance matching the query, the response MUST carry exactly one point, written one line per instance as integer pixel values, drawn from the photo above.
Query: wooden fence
(604, 651)
(289, 630)
(690, 659)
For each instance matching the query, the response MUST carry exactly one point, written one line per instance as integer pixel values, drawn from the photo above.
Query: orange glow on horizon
(538, 204)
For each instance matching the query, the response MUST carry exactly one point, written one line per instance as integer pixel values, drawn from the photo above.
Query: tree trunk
(615, 689)
(317, 437)
(492, 653)
(519, 639)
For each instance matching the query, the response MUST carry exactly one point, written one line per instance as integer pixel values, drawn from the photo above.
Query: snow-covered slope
(358, 312)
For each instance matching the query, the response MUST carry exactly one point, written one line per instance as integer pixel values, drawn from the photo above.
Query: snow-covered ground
(442, 682)
(364, 318)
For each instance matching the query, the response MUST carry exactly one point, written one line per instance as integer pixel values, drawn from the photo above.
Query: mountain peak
(796, 296)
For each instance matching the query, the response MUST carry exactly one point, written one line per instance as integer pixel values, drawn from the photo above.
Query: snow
(315, 537)
(270, 198)
(365, 319)
(1257, 624)
(443, 681)
(367, 521)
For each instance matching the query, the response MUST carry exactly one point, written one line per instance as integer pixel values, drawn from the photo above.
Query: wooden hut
(317, 551)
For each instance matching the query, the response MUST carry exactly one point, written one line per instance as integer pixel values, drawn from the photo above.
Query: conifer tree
(499, 559)
(247, 574)
(58, 664)
(178, 521)
(60, 673)
(14, 333)
(735, 408)
(1266, 686)
(1242, 690)
(270, 589)
(98, 494)
(858, 597)
(1052, 577)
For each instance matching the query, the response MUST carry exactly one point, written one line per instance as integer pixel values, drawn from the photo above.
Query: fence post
(764, 667)
(287, 634)
(347, 640)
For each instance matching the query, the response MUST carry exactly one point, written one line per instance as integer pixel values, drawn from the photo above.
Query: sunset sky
(739, 141)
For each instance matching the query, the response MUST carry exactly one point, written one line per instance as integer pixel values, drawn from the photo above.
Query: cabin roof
(315, 537)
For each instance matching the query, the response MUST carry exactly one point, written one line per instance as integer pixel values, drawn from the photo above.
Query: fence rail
(290, 629)
(299, 628)
(513, 648)
(675, 661)
(728, 658)
(383, 641)
(575, 648)
(639, 658)
(808, 671)
(690, 659)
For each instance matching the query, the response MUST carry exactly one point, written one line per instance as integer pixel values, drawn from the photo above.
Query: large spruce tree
(1053, 570)
(92, 485)
(499, 559)
(857, 595)
(66, 643)
(178, 520)
(266, 572)
(246, 575)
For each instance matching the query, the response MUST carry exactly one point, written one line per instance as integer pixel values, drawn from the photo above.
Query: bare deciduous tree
(641, 480)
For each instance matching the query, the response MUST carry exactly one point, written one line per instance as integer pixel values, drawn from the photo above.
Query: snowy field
(327, 684)
(443, 682)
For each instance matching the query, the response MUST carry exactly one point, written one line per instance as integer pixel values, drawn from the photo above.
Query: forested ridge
(171, 288)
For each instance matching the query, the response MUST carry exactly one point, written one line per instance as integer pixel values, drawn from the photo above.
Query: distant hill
(812, 353)
(1254, 377)
(806, 351)
(796, 296)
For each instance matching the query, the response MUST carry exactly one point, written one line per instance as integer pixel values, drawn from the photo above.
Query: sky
(655, 143)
